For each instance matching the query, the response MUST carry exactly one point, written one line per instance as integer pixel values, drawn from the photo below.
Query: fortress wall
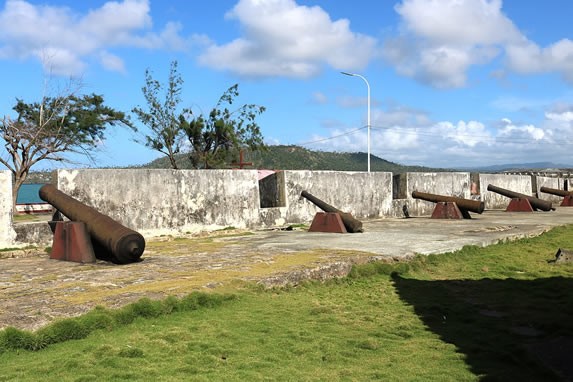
(7, 233)
(189, 200)
(364, 195)
(456, 184)
(162, 200)
(516, 183)
(158, 201)
(551, 182)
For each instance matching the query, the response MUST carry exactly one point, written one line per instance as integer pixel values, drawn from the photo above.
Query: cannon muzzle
(536, 203)
(120, 244)
(476, 206)
(555, 191)
(350, 223)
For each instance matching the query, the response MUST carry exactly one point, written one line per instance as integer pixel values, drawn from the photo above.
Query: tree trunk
(173, 162)
(19, 179)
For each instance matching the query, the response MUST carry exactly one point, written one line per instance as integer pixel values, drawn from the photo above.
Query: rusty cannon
(535, 203)
(448, 206)
(351, 224)
(111, 240)
(555, 191)
(567, 195)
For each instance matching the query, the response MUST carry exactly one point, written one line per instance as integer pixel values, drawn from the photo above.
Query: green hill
(280, 157)
(287, 158)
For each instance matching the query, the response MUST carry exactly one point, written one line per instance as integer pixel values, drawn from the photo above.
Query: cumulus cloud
(442, 39)
(529, 58)
(410, 137)
(64, 40)
(282, 38)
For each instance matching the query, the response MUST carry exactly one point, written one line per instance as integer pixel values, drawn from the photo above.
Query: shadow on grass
(507, 329)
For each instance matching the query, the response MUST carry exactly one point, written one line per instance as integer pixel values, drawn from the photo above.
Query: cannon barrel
(350, 223)
(122, 244)
(555, 191)
(476, 206)
(536, 203)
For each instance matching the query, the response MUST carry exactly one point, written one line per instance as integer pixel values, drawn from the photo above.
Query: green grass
(475, 314)
(28, 218)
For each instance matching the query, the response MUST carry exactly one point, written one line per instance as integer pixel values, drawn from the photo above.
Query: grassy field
(496, 313)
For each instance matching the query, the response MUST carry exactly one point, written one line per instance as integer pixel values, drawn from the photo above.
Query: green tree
(48, 129)
(162, 116)
(216, 140)
(210, 141)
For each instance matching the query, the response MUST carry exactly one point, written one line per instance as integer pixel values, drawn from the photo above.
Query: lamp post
(368, 123)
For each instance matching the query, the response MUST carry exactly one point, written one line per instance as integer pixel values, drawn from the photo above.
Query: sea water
(28, 193)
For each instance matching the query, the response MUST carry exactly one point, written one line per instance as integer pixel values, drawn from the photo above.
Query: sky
(453, 83)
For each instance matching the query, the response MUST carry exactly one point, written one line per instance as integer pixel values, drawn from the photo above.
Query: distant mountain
(536, 166)
(280, 157)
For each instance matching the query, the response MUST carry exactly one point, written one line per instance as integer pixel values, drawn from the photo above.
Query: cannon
(350, 223)
(536, 203)
(112, 241)
(555, 191)
(567, 195)
(464, 205)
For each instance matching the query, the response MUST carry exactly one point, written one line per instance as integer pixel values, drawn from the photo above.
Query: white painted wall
(7, 233)
(515, 183)
(155, 201)
(455, 184)
(551, 182)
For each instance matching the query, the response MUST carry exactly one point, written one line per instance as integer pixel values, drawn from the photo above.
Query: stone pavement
(35, 290)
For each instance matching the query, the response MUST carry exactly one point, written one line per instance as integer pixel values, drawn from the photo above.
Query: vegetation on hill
(282, 157)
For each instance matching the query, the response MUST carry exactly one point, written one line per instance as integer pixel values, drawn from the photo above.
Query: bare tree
(46, 130)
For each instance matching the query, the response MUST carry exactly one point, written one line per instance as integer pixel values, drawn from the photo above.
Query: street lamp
(368, 123)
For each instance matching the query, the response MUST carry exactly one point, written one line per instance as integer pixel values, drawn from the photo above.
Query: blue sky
(454, 83)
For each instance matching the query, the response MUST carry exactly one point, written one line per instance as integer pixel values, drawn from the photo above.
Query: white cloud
(529, 58)
(282, 38)
(562, 117)
(408, 136)
(66, 39)
(458, 22)
(442, 39)
(319, 98)
(112, 62)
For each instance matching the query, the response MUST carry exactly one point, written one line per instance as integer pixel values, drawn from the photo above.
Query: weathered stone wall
(271, 190)
(156, 200)
(7, 233)
(516, 183)
(364, 195)
(441, 183)
(551, 182)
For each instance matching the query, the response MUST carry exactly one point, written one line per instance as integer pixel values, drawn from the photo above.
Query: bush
(64, 330)
(147, 308)
(101, 318)
(16, 339)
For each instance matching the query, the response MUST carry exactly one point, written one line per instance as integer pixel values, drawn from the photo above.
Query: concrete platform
(35, 290)
(402, 238)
